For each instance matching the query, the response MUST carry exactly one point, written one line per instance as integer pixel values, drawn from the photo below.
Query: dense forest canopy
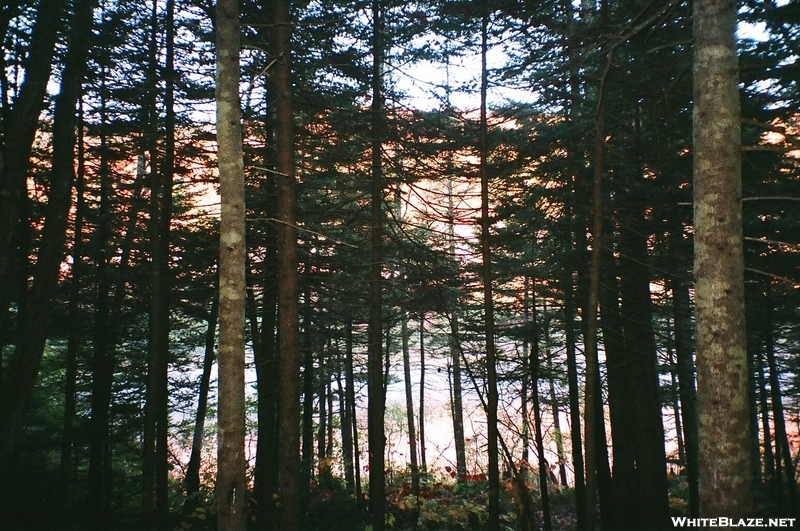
(398, 265)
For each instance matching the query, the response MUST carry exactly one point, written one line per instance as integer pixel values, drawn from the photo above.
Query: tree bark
(231, 483)
(71, 369)
(191, 480)
(376, 401)
(423, 462)
(488, 304)
(722, 394)
(412, 431)
(288, 304)
(544, 469)
(161, 182)
(783, 453)
(681, 315)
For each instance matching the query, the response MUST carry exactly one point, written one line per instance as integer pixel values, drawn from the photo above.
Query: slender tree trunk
(346, 428)
(722, 395)
(322, 426)
(753, 349)
(351, 400)
(422, 458)
(681, 315)
(102, 380)
(488, 305)
(555, 406)
(309, 377)
(674, 399)
(781, 438)
(288, 305)
(544, 469)
(71, 370)
(159, 225)
(412, 431)
(574, 399)
(769, 456)
(231, 484)
(592, 390)
(191, 480)
(376, 405)
(455, 359)
(150, 467)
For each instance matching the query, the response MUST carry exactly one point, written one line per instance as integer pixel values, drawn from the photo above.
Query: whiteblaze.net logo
(684, 521)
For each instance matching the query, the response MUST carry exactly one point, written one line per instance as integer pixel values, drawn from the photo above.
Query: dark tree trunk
(769, 456)
(266, 358)
(544, 468)
(351, 404)
(309, 376)
(322, 426)
(650, 506)
(288, 305)
(674, 399)
(346, 426)
(161, 179)
(376, 400)
(488, 305)
(191, 480)
(73, 341)
(783, 453)
(231, 486)
(422, 459)
(574, 398)
(412, 431)
(681, 315)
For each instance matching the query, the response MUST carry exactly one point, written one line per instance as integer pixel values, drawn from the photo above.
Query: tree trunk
(412, 431)
(191, 480)
(574, 399)
(681, 315)
(346, 427)
(769, 456)
(422, 459)
(322, 426)
(266, 358)
(351, 400)
(288, 305)
(376, 404)
(554, 405)
(307, 420)
(722, 395)
(783, 453)
(488, 305)
(544, 468)
(71, 369)
(159, 228)
(231, 484)
(649, 504)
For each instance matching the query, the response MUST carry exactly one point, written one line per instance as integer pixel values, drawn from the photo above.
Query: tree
(722, 374)
(231, 483)
(288, 304)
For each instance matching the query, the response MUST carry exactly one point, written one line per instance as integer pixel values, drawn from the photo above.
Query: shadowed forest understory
(370, 265)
